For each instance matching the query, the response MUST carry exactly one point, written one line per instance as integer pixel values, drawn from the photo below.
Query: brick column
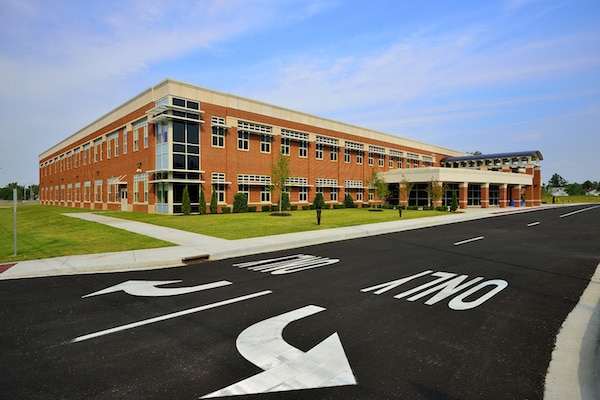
(485, 195)
(463, 194)
(516, 195)
(503, 201)
(533, 193)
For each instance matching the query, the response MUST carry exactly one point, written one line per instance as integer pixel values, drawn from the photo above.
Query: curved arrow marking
(286, 367)
(150, 289)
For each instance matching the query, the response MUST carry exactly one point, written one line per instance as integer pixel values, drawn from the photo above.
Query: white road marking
(533, 223)
(150, 289)
(169, 316)
(468, 240)
(578, 211)
(286, 367)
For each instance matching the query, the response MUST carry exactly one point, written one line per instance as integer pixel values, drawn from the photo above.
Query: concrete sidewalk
(574, 368)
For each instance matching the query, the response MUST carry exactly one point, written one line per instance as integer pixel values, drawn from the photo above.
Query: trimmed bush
(319, 202)
(348, 201)
(240, 203)
(214, 205)
(306, 207)
(202, 203)
(186, 204)
(251, 208)
(266, 208)
(441, 208)
(293, 208)
(226, 209)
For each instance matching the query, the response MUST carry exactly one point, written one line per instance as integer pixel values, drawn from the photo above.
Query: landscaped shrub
(251, 208)
(338, 206)
(319, 202)
(441, 208)
(285, 201)
(186, 204)
(202, 203)
(306, 207)
(226, 209)
(348, 201)
(294, 208)
(266, 208)
(366, 205)
(240, 203)
(214, 206)
(454, 205)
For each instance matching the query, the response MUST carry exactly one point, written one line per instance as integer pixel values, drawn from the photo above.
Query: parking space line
(169, 316)
(468, 240)
(578, 211)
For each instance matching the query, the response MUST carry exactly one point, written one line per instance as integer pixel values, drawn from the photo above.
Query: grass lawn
(254, 224)
(43, 232)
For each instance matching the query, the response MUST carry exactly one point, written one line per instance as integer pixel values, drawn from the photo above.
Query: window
(333, 194)
(391, 162)
(140, 126)
(285, 146)
(303, 149)
(359, 157)
(381, 160)
(347, 154)
(219, 185)
(124, 142)
(303, 194)
(265, 194)
(243, 140)
(359, 196)
(218, 131)
(319, 151)
(265, 143)
(186, 145)
(86, 154)
(371, 158)
(333, 155)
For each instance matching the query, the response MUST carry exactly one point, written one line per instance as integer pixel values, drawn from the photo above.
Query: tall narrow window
(265, 143)
(285, 146)
(303, 149)
(319, 151)
(243, 140)
(333, 155)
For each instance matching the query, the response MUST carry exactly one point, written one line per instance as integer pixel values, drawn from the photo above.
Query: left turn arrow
(151, 289)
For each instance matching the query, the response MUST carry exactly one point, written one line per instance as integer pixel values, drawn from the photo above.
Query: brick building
(141, 156)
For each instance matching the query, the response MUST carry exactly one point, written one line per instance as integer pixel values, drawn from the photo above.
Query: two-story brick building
(141, 155)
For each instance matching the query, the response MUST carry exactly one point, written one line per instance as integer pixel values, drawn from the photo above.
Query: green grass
(571, 199)
(248, 225)
(43, 232)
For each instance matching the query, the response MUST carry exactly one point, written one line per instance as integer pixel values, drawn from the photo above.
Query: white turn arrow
(149, 288)
(286, 367)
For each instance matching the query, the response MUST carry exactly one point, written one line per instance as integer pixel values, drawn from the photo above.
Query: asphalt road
(461, 311)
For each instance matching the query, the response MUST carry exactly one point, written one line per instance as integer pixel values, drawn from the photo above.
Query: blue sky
(493, 76)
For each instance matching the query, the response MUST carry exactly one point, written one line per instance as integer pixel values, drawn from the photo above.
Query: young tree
(280, 172)
(319, 203)
(379, 185)
(186, 204)
(348, 201)
(408, 187)
(557, 181)
(435, 190)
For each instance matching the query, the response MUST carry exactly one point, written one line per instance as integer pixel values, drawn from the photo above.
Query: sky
(488, 76)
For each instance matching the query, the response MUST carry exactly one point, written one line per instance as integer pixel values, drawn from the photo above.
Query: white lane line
(468, 240)
(578, 211)
(169, 316)
(533, 223)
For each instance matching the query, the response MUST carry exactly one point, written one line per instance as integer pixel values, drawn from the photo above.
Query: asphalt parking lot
(462, 311)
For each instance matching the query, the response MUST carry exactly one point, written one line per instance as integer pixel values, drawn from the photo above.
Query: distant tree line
(23, 192)
(573, 189)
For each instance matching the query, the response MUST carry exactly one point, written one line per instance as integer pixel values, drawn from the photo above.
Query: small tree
(202, 203)
(214, 205)
(280, 172)
(408, 187)
(240, 203)
(186, 203)
(454, 205)
(319, 202)
(379, 185)
(348, 201)
(436, 190)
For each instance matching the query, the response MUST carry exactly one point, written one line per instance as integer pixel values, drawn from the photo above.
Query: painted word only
(288, 264)
(474, 292)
